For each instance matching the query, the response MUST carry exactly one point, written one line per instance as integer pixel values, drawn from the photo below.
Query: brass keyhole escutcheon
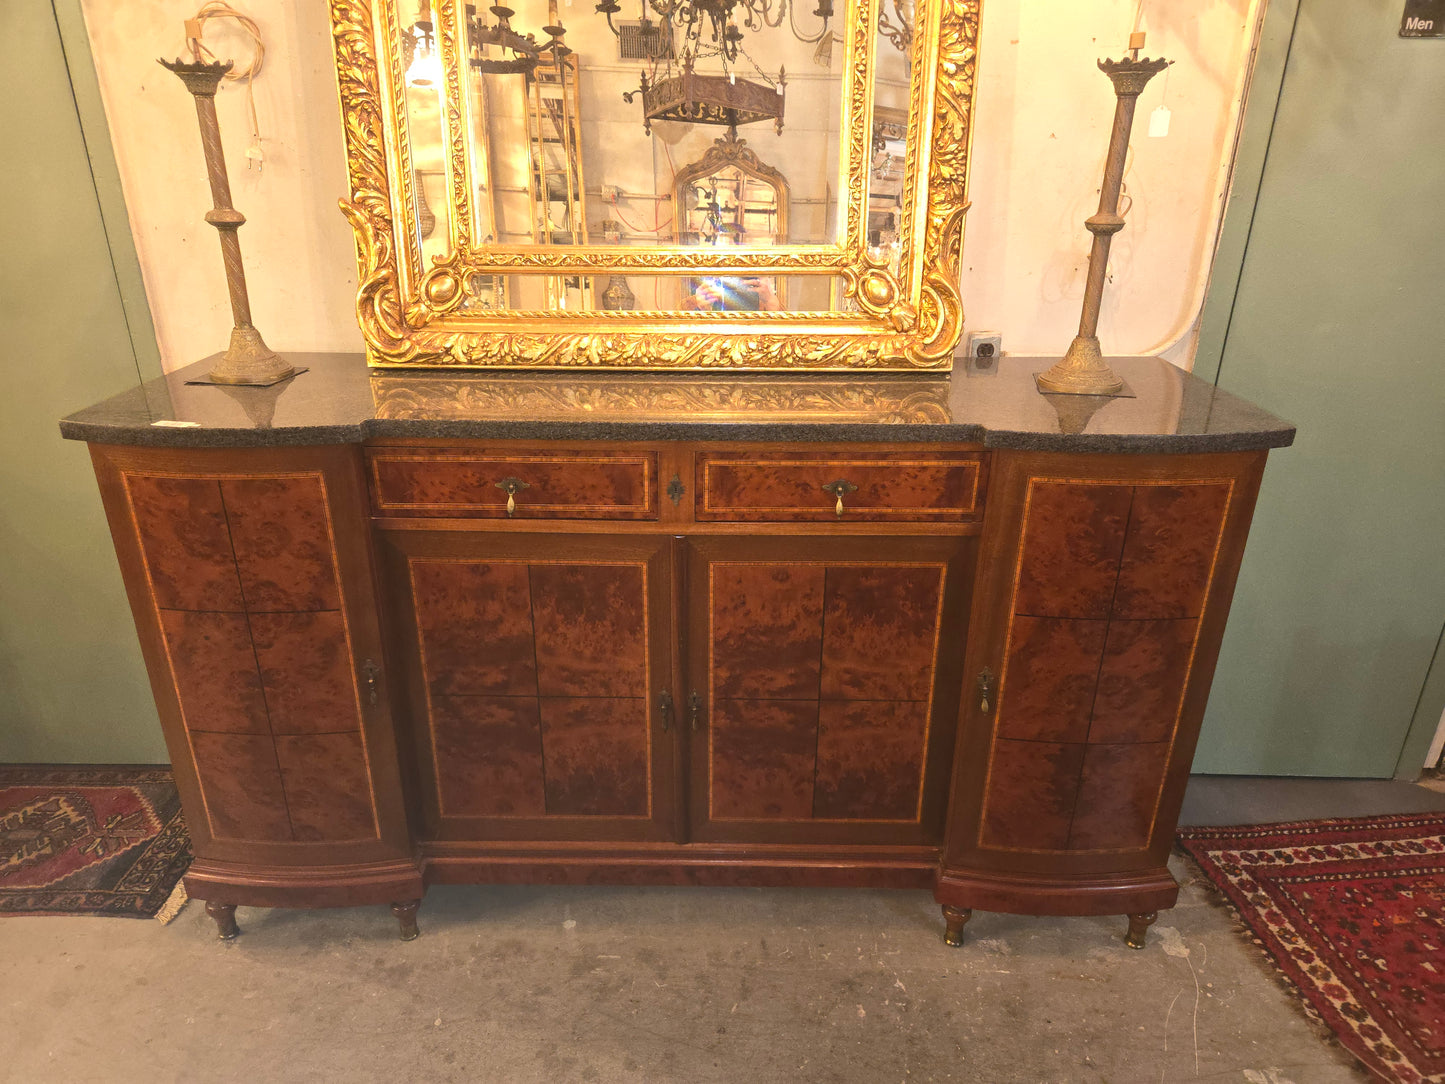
(840, 489)
(511, 486)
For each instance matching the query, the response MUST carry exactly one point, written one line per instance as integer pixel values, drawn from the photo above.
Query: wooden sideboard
(395, 661)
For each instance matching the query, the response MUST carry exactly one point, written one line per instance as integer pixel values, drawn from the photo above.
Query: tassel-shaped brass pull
(511, 486)
(664, 709)
(985, 689)
(694, 703)
(841, 488)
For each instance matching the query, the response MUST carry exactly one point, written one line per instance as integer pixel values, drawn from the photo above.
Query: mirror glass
(652, 124)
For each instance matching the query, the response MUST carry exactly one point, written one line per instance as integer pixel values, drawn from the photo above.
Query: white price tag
(1159, 123)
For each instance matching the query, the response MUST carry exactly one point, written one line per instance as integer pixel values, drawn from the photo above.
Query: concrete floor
(659, 984)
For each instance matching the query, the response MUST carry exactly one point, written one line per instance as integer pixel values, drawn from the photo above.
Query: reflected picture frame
(899, 315)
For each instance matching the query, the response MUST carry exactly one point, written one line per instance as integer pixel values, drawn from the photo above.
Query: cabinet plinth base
(1060, 894)
(690, 864)
(229, 883)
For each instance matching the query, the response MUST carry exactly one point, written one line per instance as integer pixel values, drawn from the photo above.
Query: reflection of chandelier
(518, 55)
(514, 54)
(681, 92)
(688, 96)
(900, 34)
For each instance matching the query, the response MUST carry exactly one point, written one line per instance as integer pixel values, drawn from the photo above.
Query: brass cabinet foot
(954, 919)
(1139, 927)
(225, 916)
(405, 912)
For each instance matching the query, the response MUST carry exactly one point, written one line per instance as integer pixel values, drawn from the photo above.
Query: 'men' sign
(1423, 19)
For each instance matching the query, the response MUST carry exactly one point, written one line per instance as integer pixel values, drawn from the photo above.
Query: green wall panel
(74, 687)
(1339, 325)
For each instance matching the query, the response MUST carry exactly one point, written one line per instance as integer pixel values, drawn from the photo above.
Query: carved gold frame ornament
(413, 316)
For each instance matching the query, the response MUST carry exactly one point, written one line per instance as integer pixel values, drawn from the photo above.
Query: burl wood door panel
(827, 674)
(535, 664)
(790, 486)
(1100, 634)
(253, 640)
(589, 484)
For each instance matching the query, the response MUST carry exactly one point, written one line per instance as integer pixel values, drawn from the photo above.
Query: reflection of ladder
(554, 133)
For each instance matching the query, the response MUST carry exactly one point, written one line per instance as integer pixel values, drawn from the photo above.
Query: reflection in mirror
(662, 293)
(888, 153)
(573, 126)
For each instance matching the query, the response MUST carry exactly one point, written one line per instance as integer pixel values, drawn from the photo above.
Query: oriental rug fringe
(1352, 913)
(91, 840)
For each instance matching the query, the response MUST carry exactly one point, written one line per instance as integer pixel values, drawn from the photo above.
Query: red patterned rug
(1353, 914)
(79, 840)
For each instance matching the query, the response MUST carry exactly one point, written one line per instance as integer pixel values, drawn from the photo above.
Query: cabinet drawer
(586, 485)
(806, 486)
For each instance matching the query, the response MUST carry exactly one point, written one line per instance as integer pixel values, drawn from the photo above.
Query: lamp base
(1082, 371)
(249, 360)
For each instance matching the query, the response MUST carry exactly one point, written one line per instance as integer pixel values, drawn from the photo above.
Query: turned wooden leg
(1139, 927)
(953, 921)
(405, 912)
(225, 916)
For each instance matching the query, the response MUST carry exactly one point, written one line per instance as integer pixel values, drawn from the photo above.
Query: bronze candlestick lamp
(248, 360)
(1082, 370)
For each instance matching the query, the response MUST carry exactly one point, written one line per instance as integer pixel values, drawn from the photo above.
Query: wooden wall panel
(328, 791)
(282, 539)
(488, 752)
(595, 754)
(767, 630)
(241, 781)
(870, 759)
(306, 672)
(1141, 681)
(763, 757)
(591, 629)
(185, 541)
(880, 628)
(1051, 671)
(1118, 793)
(213, 666)
(1033, 789)
(1169, 553)
(475, 620)
(1073, 537)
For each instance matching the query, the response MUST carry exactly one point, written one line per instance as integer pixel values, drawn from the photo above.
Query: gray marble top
(340, 401)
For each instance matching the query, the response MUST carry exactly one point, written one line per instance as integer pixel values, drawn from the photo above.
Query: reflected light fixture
(674, 88)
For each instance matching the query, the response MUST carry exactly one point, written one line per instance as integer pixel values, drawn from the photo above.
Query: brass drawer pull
(840, 489)
(985, 689)
(664, 709)
(694, 703)
(511, 486)
(371, 673)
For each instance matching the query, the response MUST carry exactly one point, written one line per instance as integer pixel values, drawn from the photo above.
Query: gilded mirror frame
(413, 316)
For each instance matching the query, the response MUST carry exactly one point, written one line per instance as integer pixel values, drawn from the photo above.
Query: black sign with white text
(1423, 19)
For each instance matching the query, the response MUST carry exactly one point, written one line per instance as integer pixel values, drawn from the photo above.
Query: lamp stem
(248, 360)
(1082, 370)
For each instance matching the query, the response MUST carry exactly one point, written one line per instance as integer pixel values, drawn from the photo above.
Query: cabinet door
(1107, 581)
(250, 574)
(534, 668)
(826, 674)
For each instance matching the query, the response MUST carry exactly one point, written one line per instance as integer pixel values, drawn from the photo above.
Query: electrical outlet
(611, 194)
(983, 351)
